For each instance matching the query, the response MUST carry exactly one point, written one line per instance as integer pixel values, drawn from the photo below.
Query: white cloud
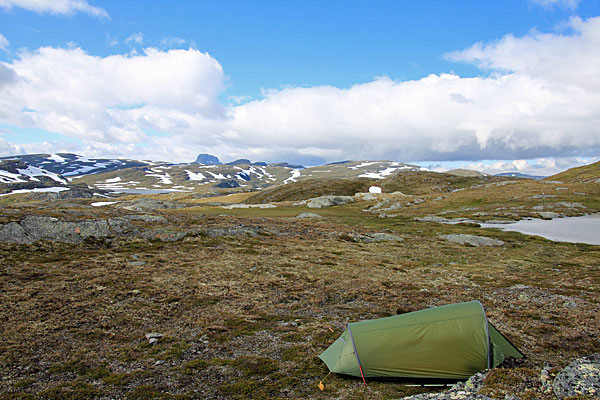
(541, 99)
(3, 42)
(135, 38)
(59, 7)
(111, 99)
(570, 4)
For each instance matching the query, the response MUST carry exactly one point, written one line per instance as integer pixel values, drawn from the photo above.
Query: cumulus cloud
(541, 99)
(58, 7)
(3, 42)
(111, 99)
(538, 97)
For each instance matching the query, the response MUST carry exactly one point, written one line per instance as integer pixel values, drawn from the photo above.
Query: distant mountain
(207, 159)
(53, 172)
(518, 175)
(68, 164)
(65, 172)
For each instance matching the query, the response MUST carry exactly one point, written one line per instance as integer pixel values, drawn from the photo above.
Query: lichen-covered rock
(328, 201)
(148, 218)
(34, 228)
(580, 378)
(472, 240)
(461, 390)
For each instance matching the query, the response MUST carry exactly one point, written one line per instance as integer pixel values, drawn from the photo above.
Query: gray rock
(328, 201)
(217, 232)
(147, 204)
(546, 377)
(147, 218)
(165, 235)
(392, 207)
(472, 240)
(383, 215)
(307, 215)
(384, 237)
(153, 337)
(543, 196)
(432, 218)
(570, 205)
(580, 378)
(34, 228)
(137, 263)
(461, 390)
(548, 214)
(366, 196)
(242, 205)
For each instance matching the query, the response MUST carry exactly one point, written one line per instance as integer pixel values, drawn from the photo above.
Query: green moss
(245, 389)
(192, 367)
(17, 396)
(126, 377)
(71, 390)
(81, 368)
(252, 365)
(23, 383)
(144, 392)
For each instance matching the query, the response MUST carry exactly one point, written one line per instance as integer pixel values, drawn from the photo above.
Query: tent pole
(356, 354)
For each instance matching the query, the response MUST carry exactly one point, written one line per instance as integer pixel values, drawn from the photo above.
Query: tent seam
(487, 332)
(421, 323)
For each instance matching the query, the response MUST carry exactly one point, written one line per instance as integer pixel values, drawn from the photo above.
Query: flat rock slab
(580, 378)
(307, 215)
(472, 240)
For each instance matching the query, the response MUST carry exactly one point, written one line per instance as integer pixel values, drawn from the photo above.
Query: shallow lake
(584, 229)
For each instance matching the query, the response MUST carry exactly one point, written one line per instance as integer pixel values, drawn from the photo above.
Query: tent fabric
(448, 342)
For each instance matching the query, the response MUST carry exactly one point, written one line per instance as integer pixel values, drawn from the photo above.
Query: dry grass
(247, 316)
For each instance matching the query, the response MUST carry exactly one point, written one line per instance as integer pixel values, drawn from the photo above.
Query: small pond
(584, 229)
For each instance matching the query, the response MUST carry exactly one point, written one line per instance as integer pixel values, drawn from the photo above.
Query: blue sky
(275, 80)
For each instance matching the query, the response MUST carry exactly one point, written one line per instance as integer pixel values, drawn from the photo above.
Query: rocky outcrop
(328, 201)
(580, 378)
(34, 228)
(368, 237)
(243, 205)
(461, 390)
(472, 240)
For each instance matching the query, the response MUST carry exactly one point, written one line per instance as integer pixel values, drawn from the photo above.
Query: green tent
(449, 342)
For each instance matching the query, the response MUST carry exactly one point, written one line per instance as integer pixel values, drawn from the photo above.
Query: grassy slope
(587, 173)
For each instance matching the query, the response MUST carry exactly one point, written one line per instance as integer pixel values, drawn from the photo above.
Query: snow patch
(103, 203)
(113, 180)
(364, 164)
(56, 158)
(195, 176)
(295, 174)
(380, 174)
(32, 172)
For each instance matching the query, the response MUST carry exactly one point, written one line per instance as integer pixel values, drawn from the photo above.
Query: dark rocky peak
(207, 159)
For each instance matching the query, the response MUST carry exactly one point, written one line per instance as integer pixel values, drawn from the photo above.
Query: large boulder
(580, 378)
(328, 201)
